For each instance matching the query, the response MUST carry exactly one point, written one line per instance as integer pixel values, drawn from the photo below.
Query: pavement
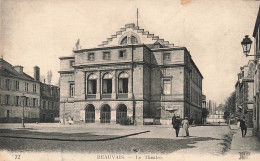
(203, 139)
(247, 145)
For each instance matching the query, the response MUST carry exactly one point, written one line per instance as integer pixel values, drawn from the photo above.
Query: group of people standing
(177, 123)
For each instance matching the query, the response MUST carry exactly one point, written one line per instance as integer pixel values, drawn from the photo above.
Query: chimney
(19, 68)
(37, 73)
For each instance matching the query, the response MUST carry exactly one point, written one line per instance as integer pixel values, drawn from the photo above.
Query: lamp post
(23, 98)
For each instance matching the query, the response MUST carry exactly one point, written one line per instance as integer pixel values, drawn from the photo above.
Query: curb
(56, 139)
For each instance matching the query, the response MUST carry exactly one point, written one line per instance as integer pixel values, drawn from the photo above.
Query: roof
(7, 70)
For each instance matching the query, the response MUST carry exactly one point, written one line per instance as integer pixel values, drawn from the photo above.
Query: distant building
(244, 93)
(132, 75)
(18, 90)
(211, 106)
(217, 116)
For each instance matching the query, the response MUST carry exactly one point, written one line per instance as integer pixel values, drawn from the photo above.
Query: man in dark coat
(243, 126)
(176, 124)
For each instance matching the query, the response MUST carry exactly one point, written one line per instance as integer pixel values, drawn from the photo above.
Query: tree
(204, 114)
(230, 105)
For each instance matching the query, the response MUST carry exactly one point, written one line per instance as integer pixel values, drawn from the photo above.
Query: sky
(38, 32)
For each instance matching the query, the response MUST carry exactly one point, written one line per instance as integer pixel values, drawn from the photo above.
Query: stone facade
(17, 91)
(244, 93)
(132, 76)
(256, 93)
(22, 94)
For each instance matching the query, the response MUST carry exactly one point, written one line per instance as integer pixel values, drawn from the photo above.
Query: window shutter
(14, 85)
(36, 102)
(10, 85)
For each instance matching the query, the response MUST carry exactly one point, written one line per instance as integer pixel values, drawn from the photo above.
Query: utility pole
(137, 17)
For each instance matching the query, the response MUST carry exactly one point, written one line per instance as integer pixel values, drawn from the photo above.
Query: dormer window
(91, 56)
(167, 56)
(122, 54)
(106, 55)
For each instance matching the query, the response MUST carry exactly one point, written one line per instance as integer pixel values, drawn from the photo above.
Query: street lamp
(23, 98)
(246, 45)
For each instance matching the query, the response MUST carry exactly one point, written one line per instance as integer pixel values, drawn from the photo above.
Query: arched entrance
(121, 114)
(105, 114)
(90, 114)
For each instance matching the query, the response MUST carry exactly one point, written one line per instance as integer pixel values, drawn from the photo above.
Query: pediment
(132, 34)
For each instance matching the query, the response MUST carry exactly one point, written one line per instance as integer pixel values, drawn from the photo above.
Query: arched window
(92, 84)
(107, 83)
(134, 40)
(123, 83)
(124, 41)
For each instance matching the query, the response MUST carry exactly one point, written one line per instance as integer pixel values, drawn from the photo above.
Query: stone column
(130, 92)
(97, 116)
(114, 84)
(113, 116)
(98, 85)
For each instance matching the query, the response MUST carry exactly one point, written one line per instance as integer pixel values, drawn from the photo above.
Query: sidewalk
(248, 144)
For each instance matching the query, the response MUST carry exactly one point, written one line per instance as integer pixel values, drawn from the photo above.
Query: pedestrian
(185, 126)
(176, 124)
(243, 126)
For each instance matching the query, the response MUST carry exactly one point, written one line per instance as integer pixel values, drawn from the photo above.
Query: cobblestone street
(159, 139)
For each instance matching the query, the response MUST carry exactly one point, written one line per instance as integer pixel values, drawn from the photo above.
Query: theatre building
(134, 76)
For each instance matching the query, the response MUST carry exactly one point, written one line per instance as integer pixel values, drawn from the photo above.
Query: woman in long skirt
(185, 126)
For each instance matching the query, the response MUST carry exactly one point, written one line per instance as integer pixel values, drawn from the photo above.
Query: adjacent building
(256, 107)
(133, 75)
(21, 94)
(244, 93)
(50, 103)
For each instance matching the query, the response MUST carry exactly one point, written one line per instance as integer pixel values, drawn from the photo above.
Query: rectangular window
(44, 104)
(92, 86)
(122, 54)
(167, 86)
(7, 84)
(167, 56)
(107, 86)
(27, 101)
(34, 102)
(72, 90)
(34, 88)
(72, 63)
(106, 55)
(91, 56)
(52, 105)
(17, 100)
(26, 85)
(123, 85)
(17, 85)
(7, 99)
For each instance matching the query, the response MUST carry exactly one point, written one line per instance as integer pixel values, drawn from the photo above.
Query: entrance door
(7, 113)
(121, 114)
(43, 117)
(105, 114)
(90, 114)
